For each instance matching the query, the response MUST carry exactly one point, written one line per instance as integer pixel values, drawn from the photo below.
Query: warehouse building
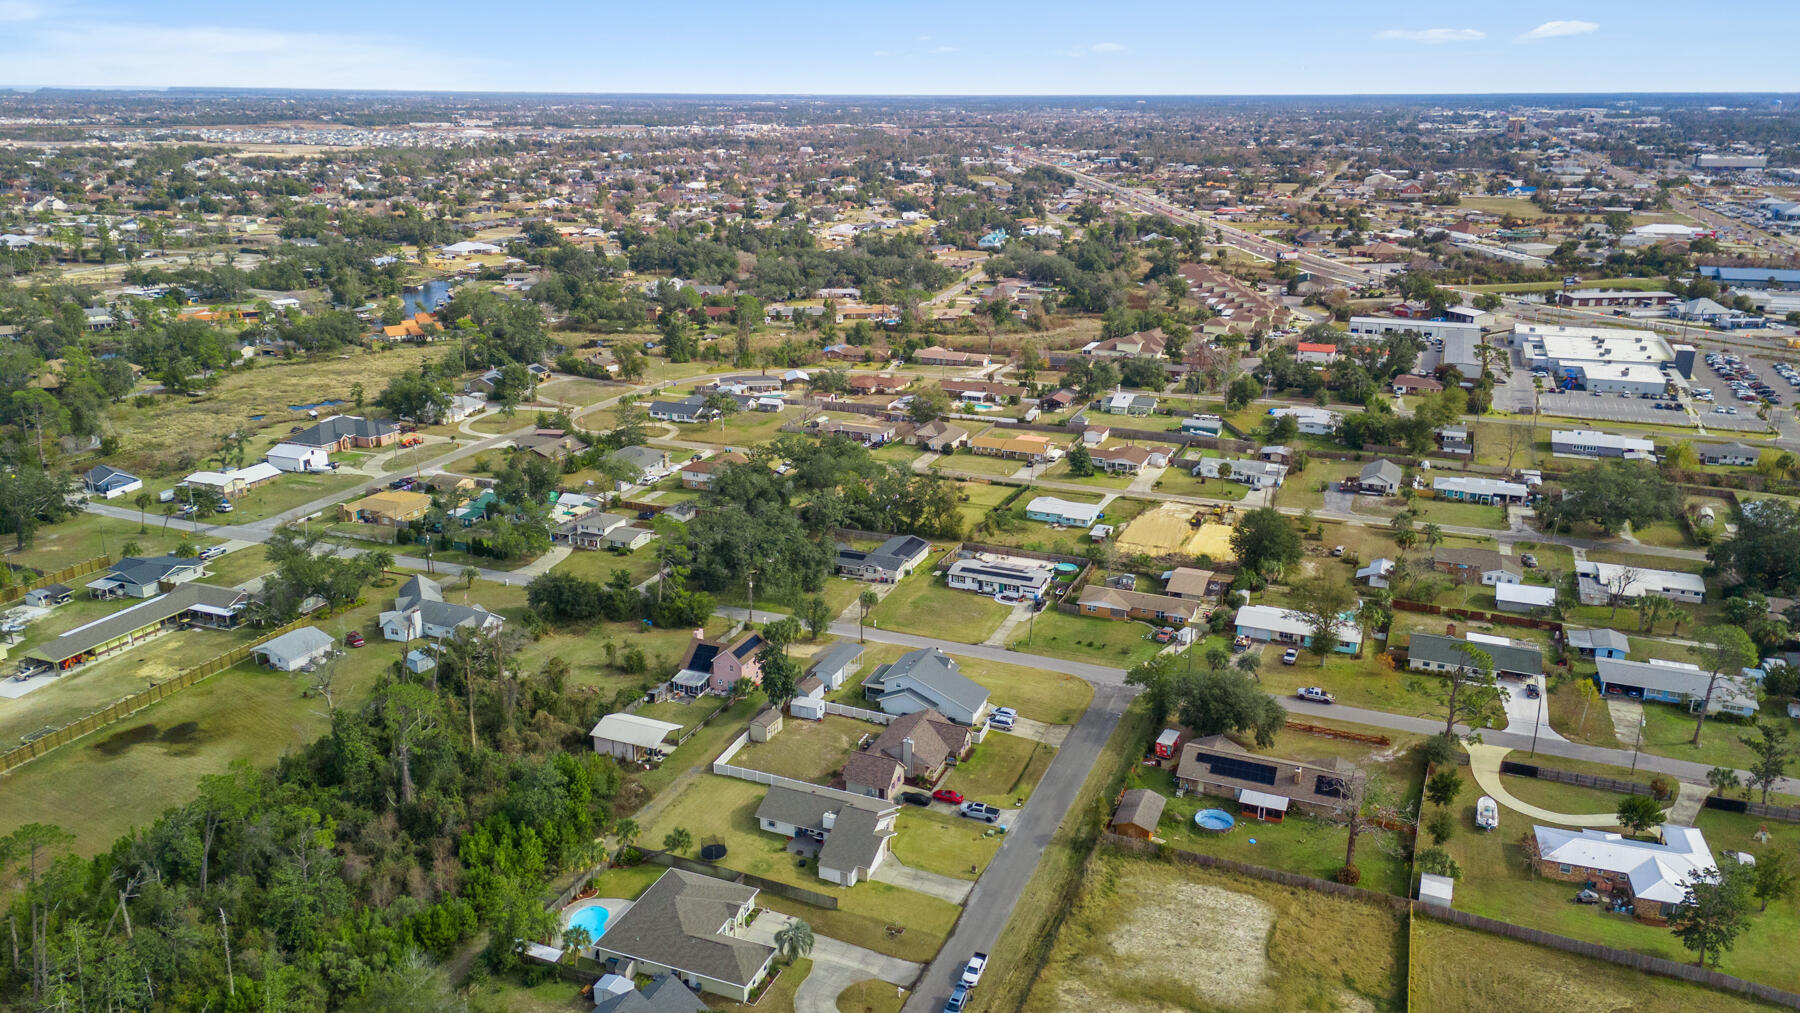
(1431, 330)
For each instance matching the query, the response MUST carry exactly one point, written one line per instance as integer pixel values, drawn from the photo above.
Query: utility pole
(1640, 744)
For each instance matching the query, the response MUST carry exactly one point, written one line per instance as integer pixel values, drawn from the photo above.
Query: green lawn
(1569, 799)
(947, 845)
(1059, 472)
(744, 429)
(1003, 768)
(238, 566)
(286, 493)
(923, 602)
(86, 535)
(1050, 697)
(807, 750)
(1178, 481)
(1669, 731)
(1059, 634)
(1462, 515)
(978, 464)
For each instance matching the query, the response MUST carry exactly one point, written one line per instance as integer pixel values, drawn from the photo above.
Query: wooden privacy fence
(136, 702)
(1476, 615)
(1612, 784)
(1594, 951)
(86, 566)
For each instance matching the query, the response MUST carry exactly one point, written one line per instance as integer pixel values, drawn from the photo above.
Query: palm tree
(470, 575)
(143, 500)
(867, 600)
(1433, 535)
(794, 940)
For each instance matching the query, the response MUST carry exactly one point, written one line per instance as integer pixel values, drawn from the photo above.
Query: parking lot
(1616, 408)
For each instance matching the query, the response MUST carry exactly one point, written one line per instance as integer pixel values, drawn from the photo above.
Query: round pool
(592, 918)
(1214, 819)
(1067, 567)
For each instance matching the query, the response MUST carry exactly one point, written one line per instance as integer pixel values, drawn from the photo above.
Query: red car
(354, 639)
(946, 795)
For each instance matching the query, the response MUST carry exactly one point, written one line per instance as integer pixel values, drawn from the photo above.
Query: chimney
(699, 635)
(1296, 775)
(906, 754)
(829, 821)
(1449, 629)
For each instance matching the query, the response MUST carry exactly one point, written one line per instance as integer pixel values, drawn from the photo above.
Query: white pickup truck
(971, 975)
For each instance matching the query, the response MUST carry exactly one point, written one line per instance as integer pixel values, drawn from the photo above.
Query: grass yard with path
(87, 535)
(945, 844)
(1059, 634)
(812, 751)
(1238, 942)
(1357, 682)
(1003, 768)
(924, 602)
(1059, 472)
(289, 491)
(723, 810)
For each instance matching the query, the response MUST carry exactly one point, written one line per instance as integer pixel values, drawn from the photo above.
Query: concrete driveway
(895, 873)
(1025, 728)
(1523, 714)
(836, 966)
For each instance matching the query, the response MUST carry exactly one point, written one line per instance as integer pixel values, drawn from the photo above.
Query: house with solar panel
(1265, 787)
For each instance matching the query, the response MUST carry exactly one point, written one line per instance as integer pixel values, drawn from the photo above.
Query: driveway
(1484, 765)
(1523, 714)
(1025, 728)
(949, 888)
(836, 966)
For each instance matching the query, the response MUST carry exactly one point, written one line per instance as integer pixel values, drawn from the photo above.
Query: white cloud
(882, 52)
(1557, 29)
(922, 38)
(1431, 36)
(19, 10)
(1108, 47)
(943, 49)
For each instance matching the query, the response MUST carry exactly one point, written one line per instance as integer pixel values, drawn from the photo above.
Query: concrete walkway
(1688, 800)
(934, 884)
(541, 565)
(1484, 764)
(836, 966)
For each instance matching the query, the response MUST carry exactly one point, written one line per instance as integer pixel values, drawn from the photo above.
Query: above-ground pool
(1067, 567)
(593, 918)
(1214, 819)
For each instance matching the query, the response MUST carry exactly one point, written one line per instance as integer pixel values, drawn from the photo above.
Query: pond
(427, 297)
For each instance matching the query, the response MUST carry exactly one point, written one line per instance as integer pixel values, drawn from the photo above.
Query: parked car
(1531, 691)
(958, 999)
(1001, 722)
(354, 639)
(947, 795)
(915, 798)
(1164, 635)
(980, 811)
(1529, 560)
(1290, 657)
(971, 975)
(212, 552)
(1315, 694)
(1006, 712)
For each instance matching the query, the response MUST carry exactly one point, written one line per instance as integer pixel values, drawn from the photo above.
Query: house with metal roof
(1679, 683)
(631, 737)
(1474, 489)
(885, 564)
(1430, 652)
(1523, 598)
(295, 649)
(188, 604)
(693, 927)
(926, 679)
(846, 832)
(1051, 510)
(1651, 876)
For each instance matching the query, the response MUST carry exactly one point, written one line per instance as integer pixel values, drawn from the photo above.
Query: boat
(1487, 813)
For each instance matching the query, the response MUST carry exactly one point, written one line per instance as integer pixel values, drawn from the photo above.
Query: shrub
(1662, 788)
(1438, 750)
(1349, 875)
(1441, 826)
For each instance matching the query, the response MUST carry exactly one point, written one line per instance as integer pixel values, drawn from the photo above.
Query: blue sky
(1123, 47)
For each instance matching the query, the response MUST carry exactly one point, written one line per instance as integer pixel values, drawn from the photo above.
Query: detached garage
(630, 737)
(293, 651)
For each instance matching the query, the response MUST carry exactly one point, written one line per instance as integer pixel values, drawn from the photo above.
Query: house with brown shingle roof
(916, 746)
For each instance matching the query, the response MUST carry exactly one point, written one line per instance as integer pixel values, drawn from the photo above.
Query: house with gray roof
(692, 927)
(1255, 474)
(927, 679)
(886, 563)
(105, 480)
(1379, 478)
(146, 576)
(648, 463)
(1600, 643)
(190, 604)
(1736, 455)
(847, 832)
(687, 409)
(294, 650)
(1430, 652)
(341, 432)
(421, 611)
(664, 994)
(833, 665)
(1679, 683)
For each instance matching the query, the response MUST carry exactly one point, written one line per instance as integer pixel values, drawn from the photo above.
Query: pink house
(713, 666)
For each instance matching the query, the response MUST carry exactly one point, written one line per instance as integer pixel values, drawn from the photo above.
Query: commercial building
(1431, 330)
(1574, 354)
(1606, 298)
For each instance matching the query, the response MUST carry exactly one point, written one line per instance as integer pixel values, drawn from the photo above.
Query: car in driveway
(1004, 722)
(948, 795)
(354, 639)
(979, 811)
(1315, 694)
(1531, 691)
(918, 798)
(1290, 657)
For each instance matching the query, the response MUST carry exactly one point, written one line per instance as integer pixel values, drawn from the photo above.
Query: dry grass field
(1166, 530)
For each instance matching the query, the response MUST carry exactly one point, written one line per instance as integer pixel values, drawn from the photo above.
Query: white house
(997, 575)
(1598, 582)
(294, 457)
(421, 611)
(1255, 474)
(1051, 510)
(1312, 421)
(1284, 626)
(293, 651)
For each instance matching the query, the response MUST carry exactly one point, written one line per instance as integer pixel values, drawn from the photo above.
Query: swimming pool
(592, 918)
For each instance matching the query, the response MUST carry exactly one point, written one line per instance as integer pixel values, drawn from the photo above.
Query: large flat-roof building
(1440, 330)
(1620, 360)
(1590, 443)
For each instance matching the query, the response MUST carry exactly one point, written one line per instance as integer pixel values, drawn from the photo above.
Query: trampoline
(1216, 820)
(712, 852)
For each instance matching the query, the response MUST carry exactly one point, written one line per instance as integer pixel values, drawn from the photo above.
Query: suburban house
(877, 383)
(715, 666)
(1283, 626)
(1523, 599)
(342, 432)
(294, 650)
(690, 926)
(1203, 425)
(1033, 448)
(1193, 584)
(1651, 875)
(1001, 575)
(687, 409)
(550, 444)
(939, 436)
(1600, 643)
(937, 355)
(598, 530)
(1267, 787)
(1736, 455)
(1379, 478)
(1676, 682)
(664, 994)
(926, 680)
(1130, 460)
(844, 831)
(1588, 443)
(1118, 603)
(1473, 564)
(1411, 383)
(1057, 401)
(869, 434)
(1137, 814)
(1127, 403)
(1255, 474)
(109, 482)
(421, 611)
(1430, 652)
(235, 482)
(1051, 510)
(297, 457)
(1454, 440)
(1377, 573)
(629, 737)
(1599, 583)
(916, 747)
(980, 390)
(187, 605)
(388, 507)
(146, 576)
(1315, 353)
(1312, 421)
(1467, 489)
(886, 563)
(701, 474)
(647, 463)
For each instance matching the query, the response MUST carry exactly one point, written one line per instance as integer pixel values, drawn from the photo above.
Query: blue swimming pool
(593, 918)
